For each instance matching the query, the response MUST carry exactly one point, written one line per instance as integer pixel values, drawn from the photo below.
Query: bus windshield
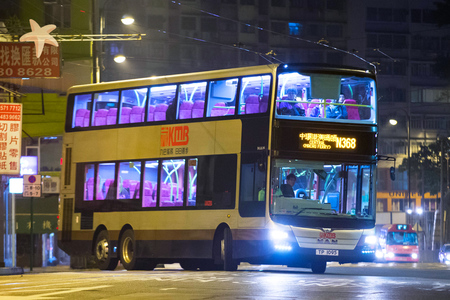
(321, 189)
(402, 238)
(336, 98)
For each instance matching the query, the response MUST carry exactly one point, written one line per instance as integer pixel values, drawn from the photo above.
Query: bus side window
(159, 100)
(103, 102)
(82, 110)
(222, 97)
(254, 94)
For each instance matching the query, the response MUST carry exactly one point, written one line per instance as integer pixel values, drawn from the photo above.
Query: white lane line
(67, 291)
(166, 289)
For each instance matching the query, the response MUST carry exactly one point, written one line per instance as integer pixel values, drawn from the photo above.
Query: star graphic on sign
(40, 36)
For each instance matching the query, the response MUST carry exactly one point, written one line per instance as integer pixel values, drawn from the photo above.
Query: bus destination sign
(326, 141)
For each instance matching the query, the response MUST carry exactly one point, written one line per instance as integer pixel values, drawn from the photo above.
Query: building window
(400, 15)
(188, 23)
(334, 31)
(278, 3)
(246, 27)
(385, 14)
(58, 12)
(416, 15)
(208, 25)
(295, 29)
(279, 27)
(296, 3)
(335, 4)
(155, 22)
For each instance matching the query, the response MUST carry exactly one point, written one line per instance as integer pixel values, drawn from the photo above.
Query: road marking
(166, 289)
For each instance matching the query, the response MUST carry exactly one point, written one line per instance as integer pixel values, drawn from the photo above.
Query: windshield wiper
(315, 208)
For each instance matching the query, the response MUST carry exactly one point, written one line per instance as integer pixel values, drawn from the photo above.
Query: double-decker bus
(215, 168)
(398, 243)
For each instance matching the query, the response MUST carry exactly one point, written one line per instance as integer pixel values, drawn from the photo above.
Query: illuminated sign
(172, 137)
(323, 141)
(402, 227)
(28, 165)
(10, 137)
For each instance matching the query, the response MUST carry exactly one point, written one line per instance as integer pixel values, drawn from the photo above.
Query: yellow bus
(271, 164)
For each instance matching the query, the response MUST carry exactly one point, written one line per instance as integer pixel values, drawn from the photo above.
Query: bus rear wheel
(318, 267)
(102, 252)
(128, 253)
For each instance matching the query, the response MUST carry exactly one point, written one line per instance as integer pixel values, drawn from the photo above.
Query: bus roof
(176, 78)
(213, 74)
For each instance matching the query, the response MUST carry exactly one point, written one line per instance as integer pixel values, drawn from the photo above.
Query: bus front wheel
(226, 251)
(318, 267)
(102, 252)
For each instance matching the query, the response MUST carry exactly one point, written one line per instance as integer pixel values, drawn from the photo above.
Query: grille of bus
(67, 220)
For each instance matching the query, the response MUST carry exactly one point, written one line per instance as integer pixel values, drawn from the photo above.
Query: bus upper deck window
(222, 97)
(159, 100)
(134, 99)
(254, 94)
(188, 95)
(82, 110)
(105, 108)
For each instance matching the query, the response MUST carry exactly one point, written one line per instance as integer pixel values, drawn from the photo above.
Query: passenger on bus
(337, 111)
(171, 111)
(287, 188)
(291, 108)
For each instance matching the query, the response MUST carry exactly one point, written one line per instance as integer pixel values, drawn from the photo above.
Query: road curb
(11, 271)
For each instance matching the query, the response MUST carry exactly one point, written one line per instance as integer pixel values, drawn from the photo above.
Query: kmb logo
(174, 136)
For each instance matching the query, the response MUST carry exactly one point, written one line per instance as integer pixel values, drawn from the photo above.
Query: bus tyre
(318, 267)
(128, 252)
(102, 252)
(226, 251)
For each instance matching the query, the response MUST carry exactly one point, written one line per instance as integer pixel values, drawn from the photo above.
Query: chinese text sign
(19, 60)
(10, 137)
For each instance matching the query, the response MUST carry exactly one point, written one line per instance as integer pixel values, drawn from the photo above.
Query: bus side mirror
(392, 173)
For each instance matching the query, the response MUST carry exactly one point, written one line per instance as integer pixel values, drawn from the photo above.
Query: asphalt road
(366, 281)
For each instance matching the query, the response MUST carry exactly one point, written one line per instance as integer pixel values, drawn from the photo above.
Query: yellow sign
(327, 141)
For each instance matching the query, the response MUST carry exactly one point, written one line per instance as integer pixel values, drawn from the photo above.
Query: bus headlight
(370, 240)
(390, 255)
(278, 235)
(414, 256)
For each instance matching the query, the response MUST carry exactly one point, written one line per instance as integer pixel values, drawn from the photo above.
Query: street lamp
(97, 53)
(119, 58)
(127, 20)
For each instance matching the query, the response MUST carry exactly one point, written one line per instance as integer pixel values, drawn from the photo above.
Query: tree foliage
(425, 165)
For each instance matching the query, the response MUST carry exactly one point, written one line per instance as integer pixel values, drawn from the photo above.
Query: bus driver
(287, 188)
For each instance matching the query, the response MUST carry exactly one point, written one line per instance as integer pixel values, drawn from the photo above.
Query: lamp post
(394, 122)
(98, 50)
